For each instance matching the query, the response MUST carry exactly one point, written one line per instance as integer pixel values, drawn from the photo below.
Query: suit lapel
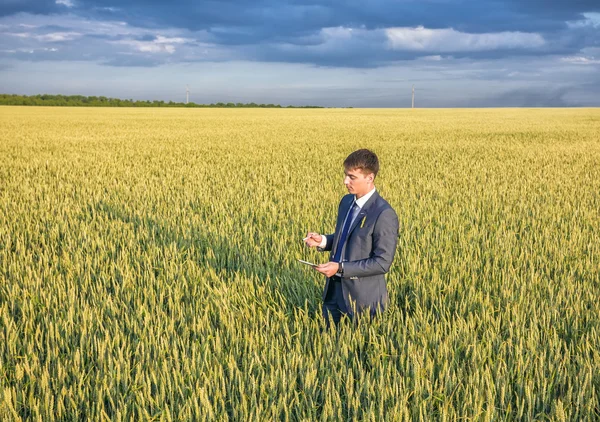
(342, 216)
(363, 212)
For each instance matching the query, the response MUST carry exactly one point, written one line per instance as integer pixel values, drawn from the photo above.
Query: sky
(351, 53)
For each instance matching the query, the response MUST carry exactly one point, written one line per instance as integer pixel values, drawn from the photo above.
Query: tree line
(92, 101)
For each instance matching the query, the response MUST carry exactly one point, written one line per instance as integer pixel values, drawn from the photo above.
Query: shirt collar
(363, 200)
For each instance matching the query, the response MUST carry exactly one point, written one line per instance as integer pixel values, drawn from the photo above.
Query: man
(362, 247)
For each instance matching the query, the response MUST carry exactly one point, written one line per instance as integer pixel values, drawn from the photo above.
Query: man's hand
(313, 239)
(329, 269)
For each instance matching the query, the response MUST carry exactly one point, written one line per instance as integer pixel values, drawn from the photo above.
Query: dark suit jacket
(368, 253)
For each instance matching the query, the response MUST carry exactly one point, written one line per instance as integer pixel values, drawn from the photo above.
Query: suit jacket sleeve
(385, 240)
(329, 244)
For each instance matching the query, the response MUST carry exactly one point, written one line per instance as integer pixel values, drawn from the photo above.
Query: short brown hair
(363, 159)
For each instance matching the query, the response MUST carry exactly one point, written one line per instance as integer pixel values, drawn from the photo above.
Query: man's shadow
(286, 281)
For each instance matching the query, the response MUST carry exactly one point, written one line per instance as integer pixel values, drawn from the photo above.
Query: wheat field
(148, 265)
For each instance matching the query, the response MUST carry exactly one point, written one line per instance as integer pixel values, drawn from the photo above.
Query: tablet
(308, 263)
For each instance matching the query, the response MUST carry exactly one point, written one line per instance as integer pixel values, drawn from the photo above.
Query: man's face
(357, 182)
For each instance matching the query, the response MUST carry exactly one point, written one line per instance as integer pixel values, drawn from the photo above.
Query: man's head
(360, 168)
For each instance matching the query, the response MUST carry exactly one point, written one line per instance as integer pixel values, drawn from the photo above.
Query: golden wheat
(148, 265)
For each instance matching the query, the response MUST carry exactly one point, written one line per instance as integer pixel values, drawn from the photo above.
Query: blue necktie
(344, 235)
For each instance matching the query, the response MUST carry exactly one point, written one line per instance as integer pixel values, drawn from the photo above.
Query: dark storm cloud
(294, 18)
(295, 31)
(11, 7)
(261, 20)
(443, 37)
